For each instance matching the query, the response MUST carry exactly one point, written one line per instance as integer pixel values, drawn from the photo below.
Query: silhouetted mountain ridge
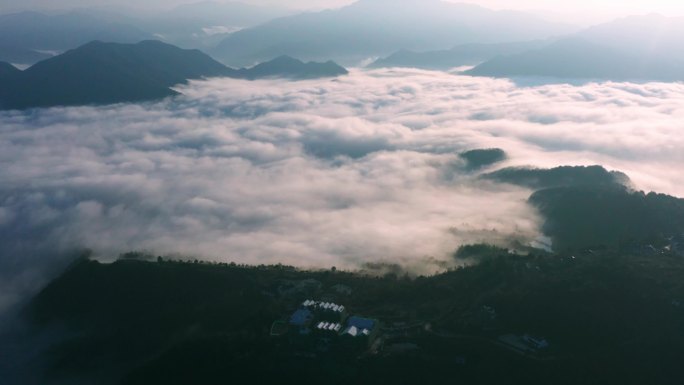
(101, 73)
(289, 67)
(565, 176)
(104, 73)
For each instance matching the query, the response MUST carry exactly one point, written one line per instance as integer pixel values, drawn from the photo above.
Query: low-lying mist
(322, 173)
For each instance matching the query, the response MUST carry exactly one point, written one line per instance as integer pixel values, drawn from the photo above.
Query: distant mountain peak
(394, 3)
(634, 48)
(142, 43)
(105, 73)
(285, 59)
(290, 67)
(371, 28)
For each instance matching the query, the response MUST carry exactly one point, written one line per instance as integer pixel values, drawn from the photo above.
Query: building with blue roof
(301, 318)
(361, 323)
(361, 330)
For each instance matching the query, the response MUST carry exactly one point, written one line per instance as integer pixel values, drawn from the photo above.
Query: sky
(575, 10)
(662, 6)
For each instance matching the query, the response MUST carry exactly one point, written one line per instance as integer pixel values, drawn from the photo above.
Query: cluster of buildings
(324, 306)
(329, 326)
(319, 320)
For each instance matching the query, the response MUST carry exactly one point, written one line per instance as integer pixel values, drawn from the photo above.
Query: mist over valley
(340, 192)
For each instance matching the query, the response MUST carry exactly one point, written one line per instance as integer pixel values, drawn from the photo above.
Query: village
(322, 327)
(317, 328)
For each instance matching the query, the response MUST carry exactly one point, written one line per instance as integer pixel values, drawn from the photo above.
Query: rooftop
(301, 317)
(361, 323)
(323, 306)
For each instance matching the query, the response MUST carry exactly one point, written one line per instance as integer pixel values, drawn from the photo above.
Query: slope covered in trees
(104, 73)
(135, 322)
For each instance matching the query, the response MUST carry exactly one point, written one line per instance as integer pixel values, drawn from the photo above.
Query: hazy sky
(588, 7)
(663, 6)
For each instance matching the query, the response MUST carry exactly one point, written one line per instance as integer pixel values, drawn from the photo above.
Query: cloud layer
(316, 173)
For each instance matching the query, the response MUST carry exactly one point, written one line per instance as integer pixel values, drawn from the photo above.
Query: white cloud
(314, 173)
(220, 30)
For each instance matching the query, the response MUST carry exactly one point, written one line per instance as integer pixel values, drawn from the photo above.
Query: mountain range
(291, 68)
(204, 24)
(21, 55)
(103, 73)
(639, 48)
(28, 37)
(369, 28)
(461, 55)
(442, 35)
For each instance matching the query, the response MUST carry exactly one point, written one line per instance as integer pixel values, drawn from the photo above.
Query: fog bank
(314, 173)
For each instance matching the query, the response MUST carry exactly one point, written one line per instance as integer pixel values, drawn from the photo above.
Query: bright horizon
(579, 11)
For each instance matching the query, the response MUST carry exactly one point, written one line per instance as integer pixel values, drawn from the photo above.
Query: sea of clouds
(319, 173)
